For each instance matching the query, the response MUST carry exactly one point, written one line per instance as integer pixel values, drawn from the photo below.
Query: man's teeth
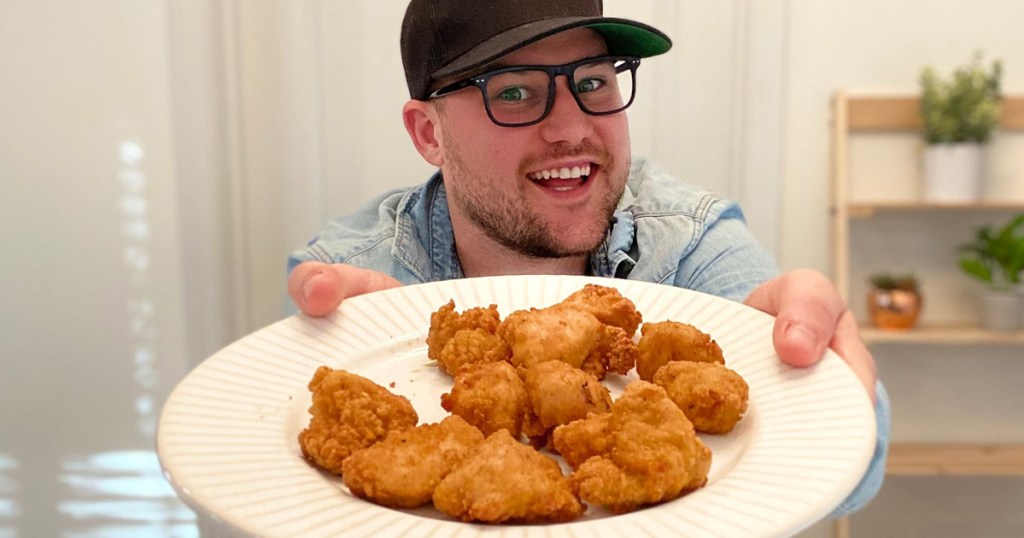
(575, 172)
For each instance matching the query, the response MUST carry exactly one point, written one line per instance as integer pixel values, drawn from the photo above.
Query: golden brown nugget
(649, 452)
(507, 481)
(402, 470)
(712, 396)
(491, 397)
(469, 346)
(445, 322)
(349, 412)
(581, 440)
(539, 335)
(560, 394)
(666, 341)
(570, 335)
(616, 352)
(608, 305)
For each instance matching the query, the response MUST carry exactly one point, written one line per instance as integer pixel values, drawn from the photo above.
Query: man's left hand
(810, 316)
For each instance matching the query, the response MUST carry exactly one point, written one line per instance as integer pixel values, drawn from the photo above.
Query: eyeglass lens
(521, 96)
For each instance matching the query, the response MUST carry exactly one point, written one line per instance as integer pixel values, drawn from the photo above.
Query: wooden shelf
(959, 459)
(902, 113)
(865, 210)
(939, 334)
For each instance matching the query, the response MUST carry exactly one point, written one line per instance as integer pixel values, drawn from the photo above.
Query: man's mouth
(563, 178)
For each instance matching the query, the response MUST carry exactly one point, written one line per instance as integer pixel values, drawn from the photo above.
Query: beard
(514, 224)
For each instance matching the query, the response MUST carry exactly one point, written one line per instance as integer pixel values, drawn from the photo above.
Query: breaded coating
(507, 481)
(402, 470)
(560, 394)
(538, 335)
(470, 346)
(608, 305)
(490, 396)
(616, 352)
(666, 341)
(651, 453)
(349, 412)
(570, 335)
(581, 440)
(445, 322)
(712, 396)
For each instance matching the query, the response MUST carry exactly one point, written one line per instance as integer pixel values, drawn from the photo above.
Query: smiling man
(517, 191)
(521, 107)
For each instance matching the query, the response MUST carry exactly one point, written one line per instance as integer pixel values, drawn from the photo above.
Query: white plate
(227, 436)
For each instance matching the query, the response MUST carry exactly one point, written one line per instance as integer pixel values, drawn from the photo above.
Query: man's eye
(515, 93)
(589, 85)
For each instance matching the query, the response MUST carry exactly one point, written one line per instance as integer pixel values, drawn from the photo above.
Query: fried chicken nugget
(616, 352)
(559, 394)
(648, 452)
(403, 470)
(608, 305)
(666, 341)
(712, 396)
(445, 322)
(469, 346)
(568, 334)
(349, 412)
(507, 481)
(490, 396)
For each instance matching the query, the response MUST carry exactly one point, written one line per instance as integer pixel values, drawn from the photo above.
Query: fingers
(318, 289)
(807, 308)
(848, 345)
(811, 316)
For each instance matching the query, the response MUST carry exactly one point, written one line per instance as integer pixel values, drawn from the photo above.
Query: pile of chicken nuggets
(527, 387)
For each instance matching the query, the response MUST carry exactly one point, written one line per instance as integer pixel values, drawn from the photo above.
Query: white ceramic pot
(1002, 310)
(953, 172)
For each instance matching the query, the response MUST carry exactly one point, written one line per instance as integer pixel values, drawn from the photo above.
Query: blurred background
(160, 159)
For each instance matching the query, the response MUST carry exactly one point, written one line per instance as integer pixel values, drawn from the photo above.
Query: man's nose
(566, 122)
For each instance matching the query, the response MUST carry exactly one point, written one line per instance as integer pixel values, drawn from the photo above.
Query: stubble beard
(516, 226)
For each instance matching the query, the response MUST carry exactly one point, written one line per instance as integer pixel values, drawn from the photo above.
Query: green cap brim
(631, 40)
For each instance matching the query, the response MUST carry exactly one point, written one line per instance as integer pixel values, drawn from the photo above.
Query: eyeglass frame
(553, 71)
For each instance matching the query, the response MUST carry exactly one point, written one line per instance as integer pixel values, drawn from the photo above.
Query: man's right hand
(317, 289)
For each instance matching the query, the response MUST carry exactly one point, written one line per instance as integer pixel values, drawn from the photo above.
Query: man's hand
(319, 288)
(810, 315)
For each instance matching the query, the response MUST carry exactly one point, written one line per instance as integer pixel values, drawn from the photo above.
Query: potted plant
(996, 258)
(894, 301)
(958, 115)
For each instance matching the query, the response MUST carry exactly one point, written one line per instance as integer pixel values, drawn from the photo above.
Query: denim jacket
(663, 231)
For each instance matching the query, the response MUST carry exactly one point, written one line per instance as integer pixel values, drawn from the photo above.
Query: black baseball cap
(448, 38)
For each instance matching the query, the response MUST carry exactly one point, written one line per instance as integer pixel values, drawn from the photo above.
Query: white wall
(92, 323)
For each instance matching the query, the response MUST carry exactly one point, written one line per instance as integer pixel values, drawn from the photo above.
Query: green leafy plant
(996, 256)
(963, 108)
(888, 281)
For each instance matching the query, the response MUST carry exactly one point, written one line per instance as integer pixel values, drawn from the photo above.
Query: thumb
(315, 288)
(318, 289)
(806, 307)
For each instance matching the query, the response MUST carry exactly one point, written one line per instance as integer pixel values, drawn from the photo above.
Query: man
(520, 105)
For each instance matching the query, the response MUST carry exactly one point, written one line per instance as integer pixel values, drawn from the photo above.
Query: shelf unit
(886, 115)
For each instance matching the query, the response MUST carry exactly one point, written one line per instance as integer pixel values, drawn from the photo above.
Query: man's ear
(421, 122)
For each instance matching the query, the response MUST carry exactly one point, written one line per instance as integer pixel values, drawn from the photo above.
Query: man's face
(494, 175)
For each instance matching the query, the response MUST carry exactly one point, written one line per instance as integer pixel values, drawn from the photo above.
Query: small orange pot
(894, 309)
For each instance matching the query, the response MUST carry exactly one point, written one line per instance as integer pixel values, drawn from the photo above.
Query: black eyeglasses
(522, 95)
